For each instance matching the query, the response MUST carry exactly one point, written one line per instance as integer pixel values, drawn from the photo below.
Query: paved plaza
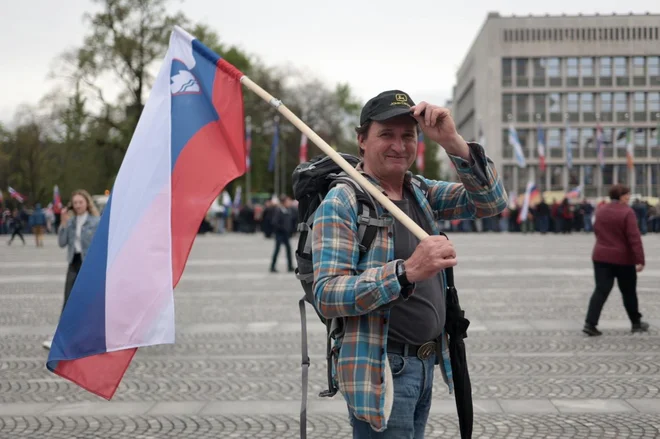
(234, 371)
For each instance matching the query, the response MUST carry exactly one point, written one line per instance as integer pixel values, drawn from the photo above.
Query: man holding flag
(390, 297)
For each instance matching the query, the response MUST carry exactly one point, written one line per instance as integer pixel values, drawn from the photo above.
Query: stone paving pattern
(234, 371)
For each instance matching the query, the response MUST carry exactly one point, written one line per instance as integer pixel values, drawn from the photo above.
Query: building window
(639, 106)
(639, 69)
(556, 177)
(606, 102)
(587, 66)
(619, 137)
(608, 175)
(539, 107)
(621, 106)
(507, 107)
(522, 108)
(620, 66)
(653, 66)
(554, 71)
(539, 72)
(589, 171)
(554, 104)
(554, 107)
(587, 143)
(521, 72)
(587, 102)
(507, 72)
(587, 107)
(621, 70)
(572, 103)
(654, 106)
(640, 138)
(507, 176)
(587, 71)
(572, 72)
(554, 138)
(605, 71)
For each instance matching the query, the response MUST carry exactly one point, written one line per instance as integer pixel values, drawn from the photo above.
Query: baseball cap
(386, 105)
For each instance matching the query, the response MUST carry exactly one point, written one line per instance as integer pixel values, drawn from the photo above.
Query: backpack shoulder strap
(368, 220)
(421, 184)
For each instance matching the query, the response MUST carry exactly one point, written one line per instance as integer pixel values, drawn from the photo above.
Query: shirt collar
(406, 178)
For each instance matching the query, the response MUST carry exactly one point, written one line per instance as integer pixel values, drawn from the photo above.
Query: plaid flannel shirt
(358, 288)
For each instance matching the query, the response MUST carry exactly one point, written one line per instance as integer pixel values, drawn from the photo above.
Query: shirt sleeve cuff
(477, 167)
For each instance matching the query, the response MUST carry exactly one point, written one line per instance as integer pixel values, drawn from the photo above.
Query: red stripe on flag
(99, 374)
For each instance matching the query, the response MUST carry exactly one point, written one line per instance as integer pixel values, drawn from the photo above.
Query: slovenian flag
(421, 147)
(531, 192)
(514, 141)
(15, 194)
(188, 144)
(540, 145)
(57, 199)
(303, 148)
(575, 192)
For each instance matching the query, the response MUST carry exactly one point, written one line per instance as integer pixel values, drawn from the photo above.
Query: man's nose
(399, 144)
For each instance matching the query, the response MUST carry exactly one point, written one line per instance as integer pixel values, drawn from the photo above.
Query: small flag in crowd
(540, 145)
(575, 192)
(57, 199)
(15, 194)
(421, 147)
(531, 192)
(303, 148)
(188, 144)
(514, 141)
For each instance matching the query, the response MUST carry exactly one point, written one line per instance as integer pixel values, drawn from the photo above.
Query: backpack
(312, 181)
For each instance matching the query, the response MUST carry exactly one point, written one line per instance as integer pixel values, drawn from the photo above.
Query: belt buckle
(425, 350)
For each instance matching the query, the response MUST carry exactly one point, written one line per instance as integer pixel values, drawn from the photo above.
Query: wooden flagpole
(337, 158)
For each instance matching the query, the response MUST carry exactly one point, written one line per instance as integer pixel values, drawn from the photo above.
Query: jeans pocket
(397, 363)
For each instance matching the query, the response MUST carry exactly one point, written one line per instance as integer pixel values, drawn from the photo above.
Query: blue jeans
(413, 385)
(587, 222)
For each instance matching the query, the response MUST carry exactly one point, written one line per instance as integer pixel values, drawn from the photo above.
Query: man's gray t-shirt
(422, 317)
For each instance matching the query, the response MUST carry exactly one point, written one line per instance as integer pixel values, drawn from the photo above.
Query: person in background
(16, 226)
(76, 233)
(37, 223)
(618, 254)
(283, 224)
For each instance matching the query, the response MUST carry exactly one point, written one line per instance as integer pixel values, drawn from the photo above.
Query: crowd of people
(35, 221)
(564, 216)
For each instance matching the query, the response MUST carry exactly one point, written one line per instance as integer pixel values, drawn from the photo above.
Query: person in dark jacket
(618, 254)
(37, 223)
(282, 225)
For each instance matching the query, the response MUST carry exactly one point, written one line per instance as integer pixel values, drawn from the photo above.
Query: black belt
(423, 351)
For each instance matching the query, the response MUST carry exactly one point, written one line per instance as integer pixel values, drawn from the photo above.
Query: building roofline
(480, 29)
(497, 15)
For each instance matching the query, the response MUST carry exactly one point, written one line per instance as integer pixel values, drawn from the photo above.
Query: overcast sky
(373, 45)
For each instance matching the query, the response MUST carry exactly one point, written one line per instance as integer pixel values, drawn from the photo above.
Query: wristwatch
(406, 285)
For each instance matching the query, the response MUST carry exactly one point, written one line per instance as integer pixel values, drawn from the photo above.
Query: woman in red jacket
(619, 254)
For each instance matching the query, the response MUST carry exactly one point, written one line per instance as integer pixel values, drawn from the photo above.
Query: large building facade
(563, 77)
